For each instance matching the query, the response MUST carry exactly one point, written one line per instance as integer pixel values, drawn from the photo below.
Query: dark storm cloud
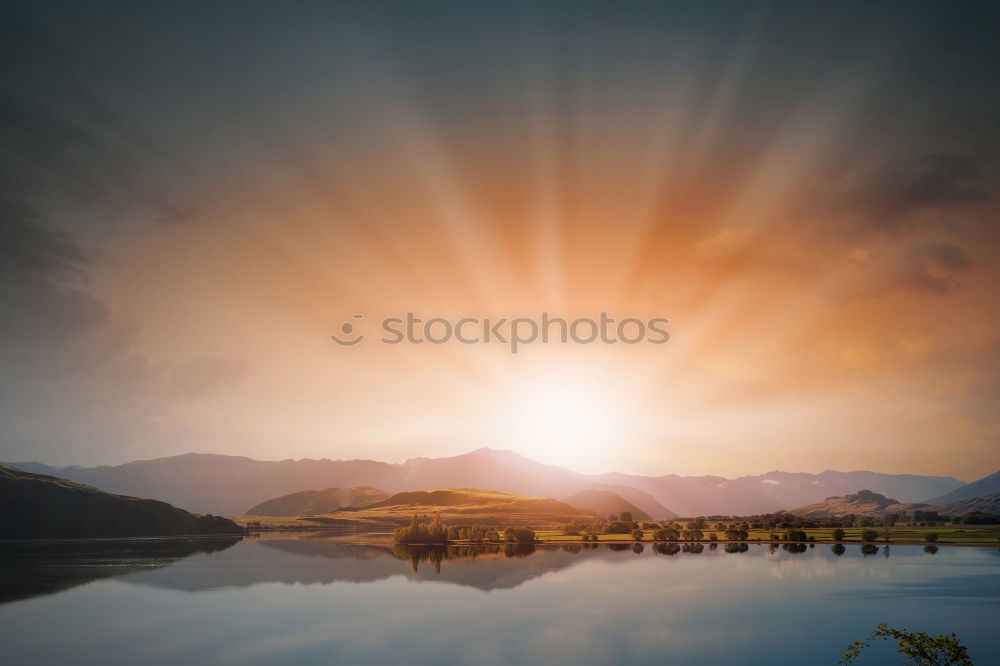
(895, 189)
(31, 250)
(62, 141)
(74, 377)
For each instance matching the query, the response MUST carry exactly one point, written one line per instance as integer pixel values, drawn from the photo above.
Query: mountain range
(868, 503)
(989, 485)
(229, 485)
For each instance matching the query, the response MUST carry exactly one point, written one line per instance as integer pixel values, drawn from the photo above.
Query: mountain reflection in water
(318, 598)
(29, 569)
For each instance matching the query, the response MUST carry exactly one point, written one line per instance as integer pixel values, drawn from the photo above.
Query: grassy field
(948, 534)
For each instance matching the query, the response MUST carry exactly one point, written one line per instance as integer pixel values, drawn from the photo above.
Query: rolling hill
(453, 506)
(986, 504)
(312, 502)
(605, 503)
(474, 500)
(862, 503)
(36, 506)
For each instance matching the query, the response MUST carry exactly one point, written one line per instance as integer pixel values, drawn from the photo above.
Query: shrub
(421, 532)
(665, 534)
(637, 535)
(920, 648)
(519, 534)
(930, 537)
(619, 527)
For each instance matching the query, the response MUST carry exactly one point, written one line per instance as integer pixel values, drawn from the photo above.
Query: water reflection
(311, 598)
(32, 568)
(29, 569)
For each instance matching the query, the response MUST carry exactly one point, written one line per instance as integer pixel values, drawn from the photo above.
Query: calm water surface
(312, 599)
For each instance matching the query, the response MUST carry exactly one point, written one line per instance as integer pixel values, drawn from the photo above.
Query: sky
(195, 196)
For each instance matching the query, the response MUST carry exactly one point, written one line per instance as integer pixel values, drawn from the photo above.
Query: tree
(637, 535)
(519, 534)
(838, 534)
(421, 532)
(665, 534)
(930, 537)
(920, 648)
(618, 527)
(869, 535)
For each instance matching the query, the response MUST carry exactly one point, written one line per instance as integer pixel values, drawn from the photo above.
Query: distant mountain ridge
(791, 489)
(227, 485)
(988, 485)
(867, 503)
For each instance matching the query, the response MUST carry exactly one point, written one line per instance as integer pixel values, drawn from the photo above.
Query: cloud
(887, 194)
(203, 376)
(930, 267)
(30, 249)
(77, 387)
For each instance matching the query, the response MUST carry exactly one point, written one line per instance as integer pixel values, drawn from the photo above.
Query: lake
(317, 599)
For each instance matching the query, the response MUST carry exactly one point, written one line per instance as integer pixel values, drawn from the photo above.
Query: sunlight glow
(567, 419)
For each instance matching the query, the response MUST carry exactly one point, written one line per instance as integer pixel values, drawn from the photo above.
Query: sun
(573, 419)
